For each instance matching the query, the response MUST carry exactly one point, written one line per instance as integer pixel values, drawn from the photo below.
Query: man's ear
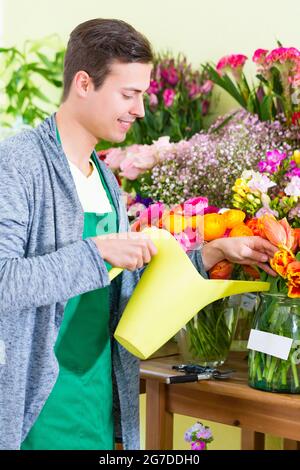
(82, 82)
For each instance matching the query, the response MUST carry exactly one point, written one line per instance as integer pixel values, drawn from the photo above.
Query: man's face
(112, 109)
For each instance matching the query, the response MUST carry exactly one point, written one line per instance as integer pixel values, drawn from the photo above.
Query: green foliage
(29, 79)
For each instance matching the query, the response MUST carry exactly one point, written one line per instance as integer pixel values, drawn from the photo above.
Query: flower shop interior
(216, 156)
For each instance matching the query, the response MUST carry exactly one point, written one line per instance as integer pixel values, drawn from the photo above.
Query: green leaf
(223, 123)
(266, 108)
(226, 83)
(36, 92)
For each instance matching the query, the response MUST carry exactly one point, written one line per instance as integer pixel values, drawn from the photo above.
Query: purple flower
(170, 75)
(207, 87)
(153, 100)
(188, 436)
(144, 200)
(153, 88)
(168, 97)
(272, 161)
(198, 445)
(206, 434)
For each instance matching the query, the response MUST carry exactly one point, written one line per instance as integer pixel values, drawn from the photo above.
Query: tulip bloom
(293, 276)
(221, 270)
(277, 232)
(281, 261)
(251, 271)
(254, 225)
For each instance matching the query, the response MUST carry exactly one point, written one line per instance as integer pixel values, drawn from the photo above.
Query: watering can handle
(152, 232)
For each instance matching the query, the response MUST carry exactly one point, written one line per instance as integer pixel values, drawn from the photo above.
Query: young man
(64, 382)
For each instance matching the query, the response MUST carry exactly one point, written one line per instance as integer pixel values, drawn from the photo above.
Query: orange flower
(297, 239)
(254, 225)
(214, 226)
(277, 232)
(241, 230)
(233, 217)
(281, 261)
(252, 271)
(293, 275)
(221, 270)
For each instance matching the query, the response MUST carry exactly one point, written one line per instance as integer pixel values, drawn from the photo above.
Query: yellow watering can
(168, 295)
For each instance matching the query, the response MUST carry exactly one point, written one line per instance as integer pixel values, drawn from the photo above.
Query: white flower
(248, 174)
(293, 188)
(260, 183)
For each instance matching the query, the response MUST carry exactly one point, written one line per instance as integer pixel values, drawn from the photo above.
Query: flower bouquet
(273, 189)
(278, 90)
(198, 436)
(175, 103)
(278, 313)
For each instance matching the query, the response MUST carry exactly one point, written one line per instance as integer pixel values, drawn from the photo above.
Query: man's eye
(127, 97)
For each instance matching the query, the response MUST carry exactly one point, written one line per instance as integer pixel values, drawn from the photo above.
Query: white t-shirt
(90, 190)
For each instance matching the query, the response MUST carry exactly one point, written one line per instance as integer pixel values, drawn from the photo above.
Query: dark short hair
(95, 44)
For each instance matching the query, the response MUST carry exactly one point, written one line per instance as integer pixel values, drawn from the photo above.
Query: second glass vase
(206, 339)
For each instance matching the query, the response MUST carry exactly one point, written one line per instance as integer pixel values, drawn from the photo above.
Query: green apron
(78, 411)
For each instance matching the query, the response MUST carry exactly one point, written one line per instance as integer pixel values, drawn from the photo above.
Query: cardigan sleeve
(42, 280)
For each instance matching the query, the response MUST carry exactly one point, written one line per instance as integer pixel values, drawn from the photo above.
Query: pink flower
(207, 87)
(233, 61)
(195, 206)
(170, 75)
(204, 107)
(137, 161)
(149, 217)
(198, 445)
(136, 209)
(237, 60)
(222, 64)
(283, 54)
(168, 97)
(114, 158)
(194, 89)
(259, 56)
(153, 100)
(153, 88)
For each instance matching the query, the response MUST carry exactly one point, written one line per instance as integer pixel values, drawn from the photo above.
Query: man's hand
(240, 250)
(129, 250)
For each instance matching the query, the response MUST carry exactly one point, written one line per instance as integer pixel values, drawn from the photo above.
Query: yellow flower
(296, 157)
(233, 217)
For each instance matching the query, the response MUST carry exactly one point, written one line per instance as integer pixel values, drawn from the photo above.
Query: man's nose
(138, 109)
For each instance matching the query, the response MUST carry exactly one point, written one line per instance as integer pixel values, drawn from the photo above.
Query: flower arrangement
(273, 189)
(279, 311)
(198, 436)
(278, 88)
(176, 102)
(184, 221)
(210, 162)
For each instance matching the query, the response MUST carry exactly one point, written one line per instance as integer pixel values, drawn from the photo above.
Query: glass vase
(206, 339)
(280, 315)
(246, 305)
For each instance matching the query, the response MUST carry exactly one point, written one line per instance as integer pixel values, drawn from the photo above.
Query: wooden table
(229, 401)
